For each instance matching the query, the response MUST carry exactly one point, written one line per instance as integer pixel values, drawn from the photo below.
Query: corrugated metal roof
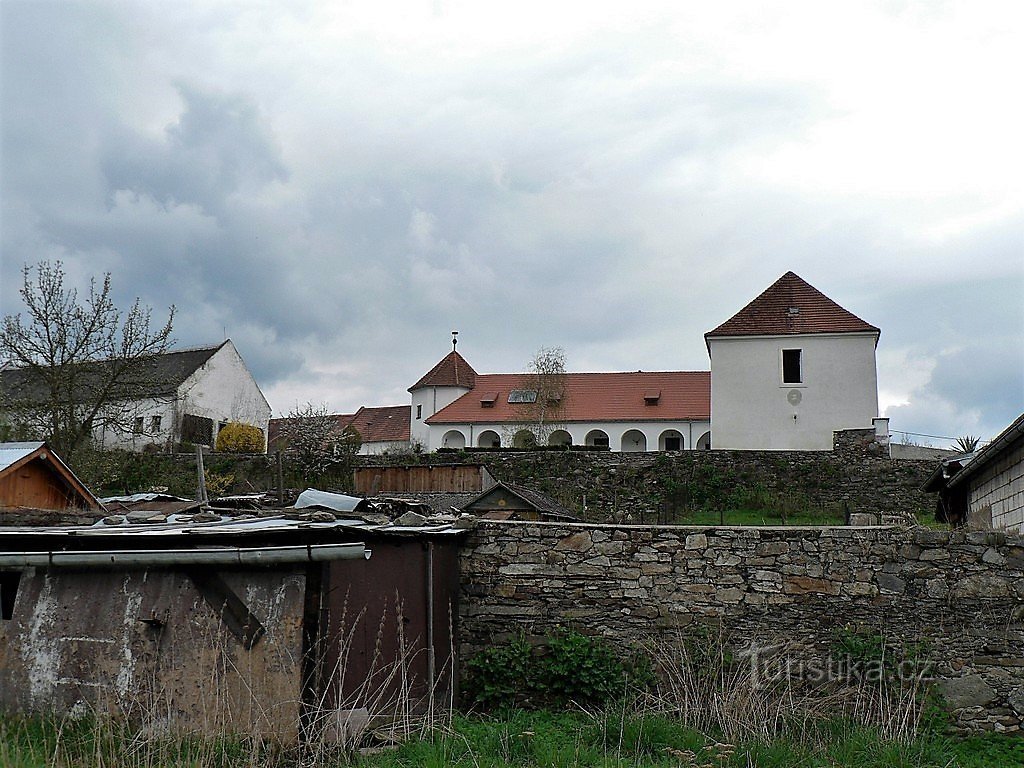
(11, 453)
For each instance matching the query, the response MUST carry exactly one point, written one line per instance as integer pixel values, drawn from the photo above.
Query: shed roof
(535, 499)
(685, 396)
(15, 455)
(451, 371)
(791, 306)
(1001, 442)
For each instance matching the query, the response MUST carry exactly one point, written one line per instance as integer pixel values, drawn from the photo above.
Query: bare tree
(541, 404)
(74, 366)
(316, 441)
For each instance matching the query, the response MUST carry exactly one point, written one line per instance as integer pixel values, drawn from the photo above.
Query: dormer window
(488, 401)
(792, 366)
(652, 396)
(522, 396)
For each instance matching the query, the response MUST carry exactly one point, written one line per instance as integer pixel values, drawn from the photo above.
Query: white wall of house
(622, 436)
(224, 390)
(998, 489)
(753, 408)
(427, 401)
(383, 446)
(150, 422)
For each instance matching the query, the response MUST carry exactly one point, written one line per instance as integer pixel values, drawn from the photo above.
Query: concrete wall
(998, 490)
(960, 595)
(751, 407)
(79, 642)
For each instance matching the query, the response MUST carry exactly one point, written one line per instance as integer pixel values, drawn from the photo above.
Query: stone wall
(857, 477)
(959, 595)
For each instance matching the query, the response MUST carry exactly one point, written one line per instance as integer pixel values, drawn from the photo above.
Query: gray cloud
(337, 202)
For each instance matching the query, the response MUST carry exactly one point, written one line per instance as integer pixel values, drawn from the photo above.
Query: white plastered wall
(224, 390)
(427, 401)
(616, 430)
(751, 407)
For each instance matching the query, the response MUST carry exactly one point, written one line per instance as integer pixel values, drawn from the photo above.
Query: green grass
(526, 739)
(580, 740)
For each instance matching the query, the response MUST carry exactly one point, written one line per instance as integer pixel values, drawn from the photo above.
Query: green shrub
(568, 667)
(236, 437)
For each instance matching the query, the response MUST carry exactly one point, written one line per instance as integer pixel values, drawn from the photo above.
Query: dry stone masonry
(959, 595)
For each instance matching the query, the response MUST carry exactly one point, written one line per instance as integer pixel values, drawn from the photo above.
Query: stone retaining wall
(857, 477)
(959, 595)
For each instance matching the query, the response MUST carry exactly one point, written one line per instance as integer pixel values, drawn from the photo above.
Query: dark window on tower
(419, 411)
(792, 366)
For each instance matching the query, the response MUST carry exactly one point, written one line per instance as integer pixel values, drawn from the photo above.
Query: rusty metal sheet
(147, 645)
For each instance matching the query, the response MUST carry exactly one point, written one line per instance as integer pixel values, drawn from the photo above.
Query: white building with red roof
(787, 370)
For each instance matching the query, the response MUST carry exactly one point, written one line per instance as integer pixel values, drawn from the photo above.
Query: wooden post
(280, 480)
(201, 490)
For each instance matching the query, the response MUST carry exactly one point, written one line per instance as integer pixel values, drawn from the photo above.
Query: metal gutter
(146, 558)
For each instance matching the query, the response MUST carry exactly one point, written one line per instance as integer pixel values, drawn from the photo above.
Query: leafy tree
(75, 365)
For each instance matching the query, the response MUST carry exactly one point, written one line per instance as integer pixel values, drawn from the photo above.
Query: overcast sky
(337, 186)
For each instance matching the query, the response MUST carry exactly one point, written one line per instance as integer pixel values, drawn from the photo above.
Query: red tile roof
(452, 371)
(791, 306)
(590, 397)
(382, 425)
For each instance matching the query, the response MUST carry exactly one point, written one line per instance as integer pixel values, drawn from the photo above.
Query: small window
(419, 411)
(792, 366)
(673, 444)
(154, 425)
(522, 396)
(488, 401)
(137, 428)
(652, 396)
(601, 441)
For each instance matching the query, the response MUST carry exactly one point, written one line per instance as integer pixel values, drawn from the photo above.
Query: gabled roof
(451, 371)
(684, 396)
(791, 306)
(382, 425)
(534, 499)
(155, 375)
(13, 456)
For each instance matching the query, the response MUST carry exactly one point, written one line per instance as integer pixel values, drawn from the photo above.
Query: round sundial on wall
(794, 396)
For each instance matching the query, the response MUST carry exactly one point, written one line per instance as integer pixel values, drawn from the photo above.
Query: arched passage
(453, 438)
(704, 443)
(524, 438)
(671, 440)
(488, 439)
(559, 437)
(596, 438)
(633, 441)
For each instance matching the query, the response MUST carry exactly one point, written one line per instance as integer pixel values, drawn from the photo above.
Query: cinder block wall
(959, 594)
